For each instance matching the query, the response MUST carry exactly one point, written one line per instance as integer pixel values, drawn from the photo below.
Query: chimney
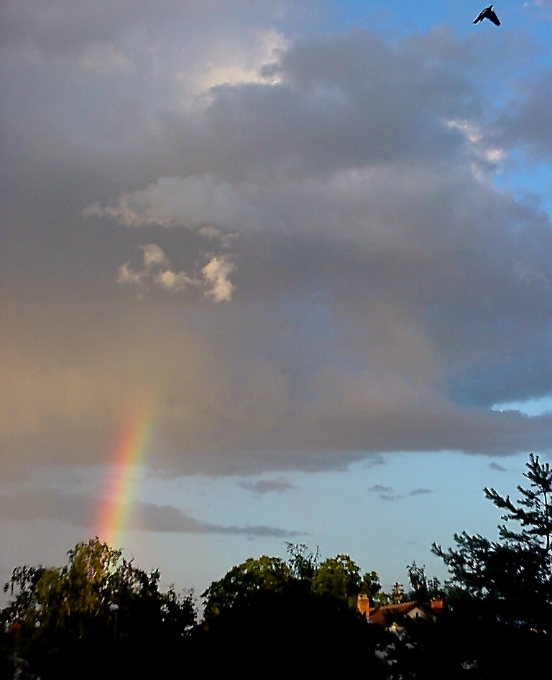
(363, 605)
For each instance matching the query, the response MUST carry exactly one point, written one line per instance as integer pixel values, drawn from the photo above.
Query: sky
(271, 271)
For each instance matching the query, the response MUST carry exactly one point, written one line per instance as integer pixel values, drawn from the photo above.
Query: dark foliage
(500, 591)
(95, 617)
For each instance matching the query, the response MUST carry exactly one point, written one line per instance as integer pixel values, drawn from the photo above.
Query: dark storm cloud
(377, 291)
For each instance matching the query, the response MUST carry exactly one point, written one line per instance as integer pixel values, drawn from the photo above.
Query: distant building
(384, 616)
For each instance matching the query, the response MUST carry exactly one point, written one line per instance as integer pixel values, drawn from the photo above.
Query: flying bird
(487, 13)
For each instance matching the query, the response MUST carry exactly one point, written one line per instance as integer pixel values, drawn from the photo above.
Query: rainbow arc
(125, 471)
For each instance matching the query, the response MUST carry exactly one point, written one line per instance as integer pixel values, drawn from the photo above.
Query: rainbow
(124, 473)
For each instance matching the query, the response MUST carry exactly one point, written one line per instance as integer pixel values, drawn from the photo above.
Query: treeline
(101, 616)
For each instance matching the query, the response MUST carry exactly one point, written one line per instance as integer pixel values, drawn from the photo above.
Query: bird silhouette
(487, 13)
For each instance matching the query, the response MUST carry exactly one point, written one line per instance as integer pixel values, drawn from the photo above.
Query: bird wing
(492, 17)
(479, 17)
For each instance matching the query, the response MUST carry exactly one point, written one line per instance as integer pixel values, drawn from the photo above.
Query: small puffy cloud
(156, 270)
(173, 282)
(216, 273)
(128, 276)
(153, 255)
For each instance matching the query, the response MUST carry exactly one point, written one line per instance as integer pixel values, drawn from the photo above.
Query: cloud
(420, 492)
(169, 519)
(263, 486)
(200, 204)
(205, 203)
(156, 271)
(538, 3)
(216, 274)
(498, 467)
(385, 493)
(380, 488)
(349, 195)
(388, 493)
(78, 511)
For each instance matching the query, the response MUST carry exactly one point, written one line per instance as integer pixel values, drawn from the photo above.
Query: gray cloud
(169, 519)
(381, 489)
(524, 122)
(78, 511)
(420, 492)
(263, 486)
(385, 294)
(388, 493)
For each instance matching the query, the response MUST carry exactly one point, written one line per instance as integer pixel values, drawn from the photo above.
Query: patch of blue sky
(384, 511)
(397, 18)
(528, 183)
(530, 407)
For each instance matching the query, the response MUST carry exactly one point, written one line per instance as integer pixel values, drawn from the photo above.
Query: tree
(255, 575)
(371, 585)
(422, 588)
(533, 512)
(303, 563)
(509, 579)
(98, 605)
(338, 577)
(303, 606)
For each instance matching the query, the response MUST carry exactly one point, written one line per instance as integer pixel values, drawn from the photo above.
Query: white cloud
(127, 275)
(247, 64)
(156, 270)
(479, 146)
(173, 282)
(216, 274)
(538, 3)
(153, 255)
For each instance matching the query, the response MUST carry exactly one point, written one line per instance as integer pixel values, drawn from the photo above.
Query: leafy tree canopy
(255, 574)
(338, 577)
(97, 601)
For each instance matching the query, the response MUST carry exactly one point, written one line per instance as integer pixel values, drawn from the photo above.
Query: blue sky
(315, 235)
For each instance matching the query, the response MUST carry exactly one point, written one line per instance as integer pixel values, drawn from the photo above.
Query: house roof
(383, 616)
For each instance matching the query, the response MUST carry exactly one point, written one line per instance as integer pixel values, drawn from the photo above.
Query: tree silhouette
(98, 607)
